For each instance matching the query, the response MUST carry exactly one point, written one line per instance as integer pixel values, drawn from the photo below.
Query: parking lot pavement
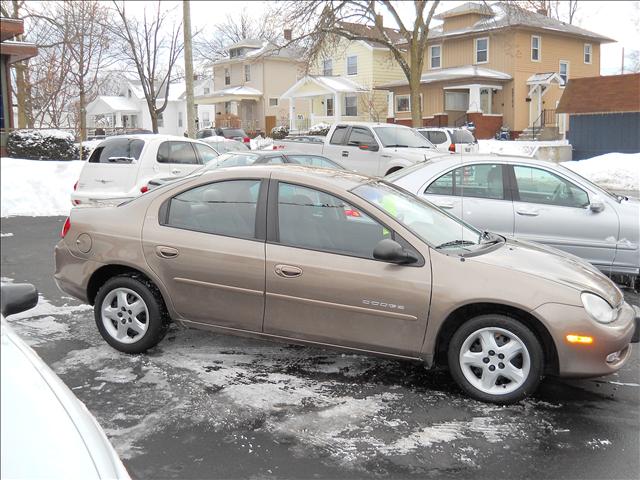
(202, 405)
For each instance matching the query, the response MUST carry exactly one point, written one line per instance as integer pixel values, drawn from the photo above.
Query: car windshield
(432, 225)
(233, 132)
(401, 137)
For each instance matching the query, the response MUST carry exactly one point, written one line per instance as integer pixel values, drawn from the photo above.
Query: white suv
(457, 140)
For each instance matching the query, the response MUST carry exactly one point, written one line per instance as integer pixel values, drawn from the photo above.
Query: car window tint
(480, 181)
(442, 186)
(541, 186)
(315, 220)
(222, 208)
(437, 137)
(177, 152)
(117, 150)
(206, 153)
(338, 135)
(361, 136)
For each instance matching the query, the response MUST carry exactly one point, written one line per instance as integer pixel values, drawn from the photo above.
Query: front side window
(564, 72)
(327, 67)
(535, 48)
(315, 220)
(351, 106)
(117, 150)
(541, 186)
(222, 208)
(247, 73)
(401, 137)
(352, 65)
(177, 152)
(402, 103)
(435, 55)
(482, 50)
(587, 53)
(206, 152)
(227, 77)
(478, 181)
(361, 136)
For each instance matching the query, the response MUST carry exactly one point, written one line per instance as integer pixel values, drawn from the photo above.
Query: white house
(128, 110)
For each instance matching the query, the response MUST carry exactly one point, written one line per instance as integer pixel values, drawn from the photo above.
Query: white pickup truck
(375, 149)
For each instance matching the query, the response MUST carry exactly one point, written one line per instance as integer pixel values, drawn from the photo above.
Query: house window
(351, 105)
(456, 101)
(129, 93)
(179, 119)
(564, 72)
(273, 102)
(329, 106)
(160, 120)
(205, 119)
(352, 65)
(435, 52)
(327, 67)
(482, 50)
(535, 48)
(227, 77)
(247, 73)
(206, 90)
(227, 107)
(587, 53)
(403, 103)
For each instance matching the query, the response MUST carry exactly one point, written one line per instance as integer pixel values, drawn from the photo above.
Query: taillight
(246, 140)
(452, 147)
(65, 227)
(75, 187)
(76, 202)
(144, 189)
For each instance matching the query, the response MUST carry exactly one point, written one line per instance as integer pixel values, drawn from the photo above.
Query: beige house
(342, 82)
(249, 83)
(499, 65)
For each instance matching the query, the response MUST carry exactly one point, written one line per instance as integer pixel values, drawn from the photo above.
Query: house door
(269, 123)
(534, 107)
(485, 100)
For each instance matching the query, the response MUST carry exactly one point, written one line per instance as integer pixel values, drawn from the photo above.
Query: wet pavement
(202, 405)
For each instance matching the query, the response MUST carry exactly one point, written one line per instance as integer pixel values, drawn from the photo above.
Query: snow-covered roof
(465, 8)
(312, 85)
(240, 92)
(455, 73)
(505, 14)
(544, 78)
(264, 49)
(109, 104)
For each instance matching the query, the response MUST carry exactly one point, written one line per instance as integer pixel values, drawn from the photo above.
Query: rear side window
(462, 136)
(222, 208)
(479, 181)
(117, 150)
(177, 152)
(437, 137)
(206, 153)
(338, 135)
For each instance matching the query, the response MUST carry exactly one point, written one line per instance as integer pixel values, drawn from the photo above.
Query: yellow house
(499, 65)
(248, 85)
(342, 82)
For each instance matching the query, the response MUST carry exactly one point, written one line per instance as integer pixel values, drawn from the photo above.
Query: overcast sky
(619, 20)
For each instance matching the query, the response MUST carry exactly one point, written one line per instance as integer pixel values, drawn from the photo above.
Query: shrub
(320, 129)
(278, 133)
(42, 145)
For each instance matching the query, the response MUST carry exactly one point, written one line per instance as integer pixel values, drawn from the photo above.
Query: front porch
(237, 107)
(112, 114)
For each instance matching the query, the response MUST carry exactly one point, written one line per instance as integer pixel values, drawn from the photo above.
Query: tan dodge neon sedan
(336, 259)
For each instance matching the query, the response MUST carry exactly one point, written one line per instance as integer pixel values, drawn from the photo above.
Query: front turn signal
(579, 339)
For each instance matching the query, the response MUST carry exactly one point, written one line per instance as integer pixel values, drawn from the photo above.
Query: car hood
(553, 265)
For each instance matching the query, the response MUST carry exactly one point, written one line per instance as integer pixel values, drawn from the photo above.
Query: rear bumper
(611, 343)
(95, 199)
(72, 274)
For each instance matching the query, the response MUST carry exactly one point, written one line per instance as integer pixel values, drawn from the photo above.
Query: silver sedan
(533, 200)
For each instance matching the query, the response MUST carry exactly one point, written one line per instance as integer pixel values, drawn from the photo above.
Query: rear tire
(496, 359)
(130, 313)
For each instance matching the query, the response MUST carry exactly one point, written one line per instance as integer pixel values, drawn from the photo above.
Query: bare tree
(563, 10)
(318, 22)
(152, 47)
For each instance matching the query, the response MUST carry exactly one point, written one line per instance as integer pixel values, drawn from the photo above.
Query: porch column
(390, 108)
(292, 110)
(540, 93)
(311, 114)
(474, 99)
(337, 107)
(234, 108)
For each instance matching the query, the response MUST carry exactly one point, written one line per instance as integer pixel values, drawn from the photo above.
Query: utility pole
(188, 68)
(622, 66)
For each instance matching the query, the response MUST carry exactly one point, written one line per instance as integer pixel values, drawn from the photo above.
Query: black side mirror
(17, 298)
(369, 147)
(391, 251)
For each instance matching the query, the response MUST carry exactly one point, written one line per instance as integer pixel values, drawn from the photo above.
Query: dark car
(231, 133)
(261, 157)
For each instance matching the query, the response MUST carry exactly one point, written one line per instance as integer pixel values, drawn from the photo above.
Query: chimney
(287, 34)
(542, 11)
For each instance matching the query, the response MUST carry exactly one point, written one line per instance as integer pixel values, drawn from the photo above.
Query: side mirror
(391, 251)
(17, 298)
(370, 147)
(596, 206)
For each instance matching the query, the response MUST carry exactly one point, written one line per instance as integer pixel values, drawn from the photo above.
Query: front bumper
(589, 360)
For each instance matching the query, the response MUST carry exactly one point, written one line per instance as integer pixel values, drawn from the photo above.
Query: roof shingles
(616, 93)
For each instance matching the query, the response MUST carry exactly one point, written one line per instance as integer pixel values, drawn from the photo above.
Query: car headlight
(598, 308)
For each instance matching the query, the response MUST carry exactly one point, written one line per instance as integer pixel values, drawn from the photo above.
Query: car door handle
(444, 204)
(175, 171)
(288, 271)
(527, 213)
(166, 252)
(345, 153)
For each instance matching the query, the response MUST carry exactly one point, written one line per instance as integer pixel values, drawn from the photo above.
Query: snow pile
(613, 171)
(321, 128)
(42, 145)
(260, 143)
(516, 147)
(34, 188)
(280, 132)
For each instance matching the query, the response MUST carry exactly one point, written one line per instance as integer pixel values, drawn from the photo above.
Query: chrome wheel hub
(495, 361)
(125, 315)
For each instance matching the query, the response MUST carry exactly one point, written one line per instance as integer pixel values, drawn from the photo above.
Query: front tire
(496, 359)
(130, 314)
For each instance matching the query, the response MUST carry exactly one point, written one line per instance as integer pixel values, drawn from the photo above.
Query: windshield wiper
(455, 243)
(399, 146)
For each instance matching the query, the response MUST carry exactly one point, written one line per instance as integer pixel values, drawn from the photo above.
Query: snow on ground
(516, 147)
(37, 188)
(613, 171)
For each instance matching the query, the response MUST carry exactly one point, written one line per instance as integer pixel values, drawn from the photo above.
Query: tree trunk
(21, 94)
(83, 113)
(414, 86)
(154, 120)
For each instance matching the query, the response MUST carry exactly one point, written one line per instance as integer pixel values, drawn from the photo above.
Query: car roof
(154, 138)
(372, 124)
